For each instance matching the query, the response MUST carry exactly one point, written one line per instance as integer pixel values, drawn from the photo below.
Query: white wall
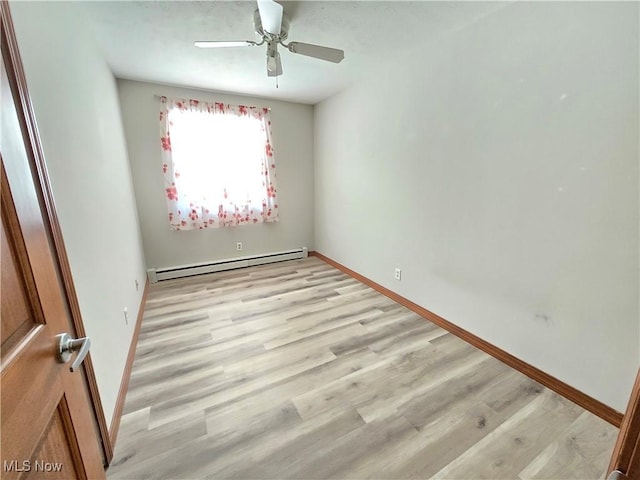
(76, 106)
(292, 128)
(498, 168)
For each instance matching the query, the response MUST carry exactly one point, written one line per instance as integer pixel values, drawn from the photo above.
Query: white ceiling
(153, 41)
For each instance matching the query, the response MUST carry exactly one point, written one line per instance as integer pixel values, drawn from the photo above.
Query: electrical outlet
(398, 274)
(239, 246)
(126, 315)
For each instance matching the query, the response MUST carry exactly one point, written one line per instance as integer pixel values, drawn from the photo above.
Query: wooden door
(47, 425)
(626, 453)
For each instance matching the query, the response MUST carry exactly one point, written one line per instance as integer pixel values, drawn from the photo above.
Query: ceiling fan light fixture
(271, 15)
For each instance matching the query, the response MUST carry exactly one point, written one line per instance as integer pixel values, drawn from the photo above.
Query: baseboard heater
(158, 274)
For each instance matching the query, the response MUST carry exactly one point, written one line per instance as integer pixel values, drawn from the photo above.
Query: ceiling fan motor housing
(284, 29)
(272, 28)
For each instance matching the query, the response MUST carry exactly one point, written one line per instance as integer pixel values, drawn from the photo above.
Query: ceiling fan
(272, 26)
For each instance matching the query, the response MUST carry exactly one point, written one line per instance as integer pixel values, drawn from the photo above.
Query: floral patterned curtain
(218, 164)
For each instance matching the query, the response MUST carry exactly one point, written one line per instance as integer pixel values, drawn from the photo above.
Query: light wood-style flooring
(295, 370)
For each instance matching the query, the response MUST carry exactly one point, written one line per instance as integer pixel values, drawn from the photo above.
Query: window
(218, 164)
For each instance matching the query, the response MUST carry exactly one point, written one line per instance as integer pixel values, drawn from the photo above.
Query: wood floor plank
(580, 452)
(273, 458)
(508, 449)
(261, 399)
(431, 448)
(296, 370)
(340, 455)
(234, 387)
(145, 446)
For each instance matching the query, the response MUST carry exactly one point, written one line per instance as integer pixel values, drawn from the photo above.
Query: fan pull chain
(276, 82)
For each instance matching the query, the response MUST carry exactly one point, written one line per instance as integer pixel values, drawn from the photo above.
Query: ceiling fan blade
(223, 44)
(274, 70)
(271, 16)
(316, 51)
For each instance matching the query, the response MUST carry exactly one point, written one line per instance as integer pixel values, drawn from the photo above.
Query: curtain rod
(160, 97)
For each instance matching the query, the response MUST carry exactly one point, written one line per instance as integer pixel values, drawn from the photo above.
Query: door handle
(68, 345)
